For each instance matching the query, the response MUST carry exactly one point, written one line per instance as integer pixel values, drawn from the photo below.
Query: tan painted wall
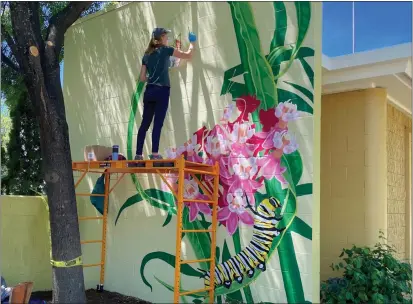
(398, 180)
(353, 172)
(102, 62)
(25, 243)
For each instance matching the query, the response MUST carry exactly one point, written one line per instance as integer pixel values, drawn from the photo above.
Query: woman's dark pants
(155, 106)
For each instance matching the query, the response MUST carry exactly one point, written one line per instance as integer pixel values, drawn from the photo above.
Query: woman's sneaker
(137, 157)
(156, 157)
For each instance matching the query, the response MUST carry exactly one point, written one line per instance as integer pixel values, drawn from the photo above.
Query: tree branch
(35, 21)
(61, 21)
(6, 60)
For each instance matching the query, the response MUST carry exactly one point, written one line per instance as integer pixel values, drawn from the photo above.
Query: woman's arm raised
(184, 55)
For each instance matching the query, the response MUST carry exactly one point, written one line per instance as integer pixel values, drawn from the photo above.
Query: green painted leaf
(129, 202)
(294, 165)
(290, 208)
(217, 254)
(163, 196)
(286, 55)
(305, 51)
(134, 106)
(302, 105)
(168, 219)
(169, 259)
(304, 189)
(308, 70)
(280, 24)
(275, 58)
(200, 241)
(307, 93)
(259, 78)
(228, 75)
(131, 123)
(158, 194)
(291, 278)
(302, 228)
(237, 90)
(303, 10)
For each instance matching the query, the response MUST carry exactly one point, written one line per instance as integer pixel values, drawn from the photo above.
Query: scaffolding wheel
(99, 287)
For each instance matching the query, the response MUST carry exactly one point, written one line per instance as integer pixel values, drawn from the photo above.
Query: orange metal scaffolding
(178, 166)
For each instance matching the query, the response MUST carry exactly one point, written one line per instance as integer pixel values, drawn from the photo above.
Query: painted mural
(259, 159)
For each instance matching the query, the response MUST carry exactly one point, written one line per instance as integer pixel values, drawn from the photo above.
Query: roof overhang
(389, 68)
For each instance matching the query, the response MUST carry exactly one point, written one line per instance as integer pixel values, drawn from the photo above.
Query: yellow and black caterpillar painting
(254, 255)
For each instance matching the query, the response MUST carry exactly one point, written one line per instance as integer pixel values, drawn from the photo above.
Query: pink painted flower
(192, 149)
(241, 132)
(172, 180)
(285, 141)
(216, 146)
(287, 111)
(240, 173)
(191, 192)
(271, 168)
(228, 112)
(268, 138)
(171, 153)
(233, 209)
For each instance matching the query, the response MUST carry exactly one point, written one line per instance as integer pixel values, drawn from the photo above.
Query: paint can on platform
(115, 152)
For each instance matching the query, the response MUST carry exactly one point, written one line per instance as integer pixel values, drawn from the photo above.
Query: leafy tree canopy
(20, 144)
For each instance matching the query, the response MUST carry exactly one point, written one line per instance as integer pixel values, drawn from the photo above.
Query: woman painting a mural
(155, 72)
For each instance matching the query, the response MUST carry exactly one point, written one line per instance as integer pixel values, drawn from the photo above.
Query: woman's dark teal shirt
(157, 65)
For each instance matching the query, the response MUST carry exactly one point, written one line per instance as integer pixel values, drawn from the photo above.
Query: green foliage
(370, 275)
(20, 148)
(22, 154)
(5, 127)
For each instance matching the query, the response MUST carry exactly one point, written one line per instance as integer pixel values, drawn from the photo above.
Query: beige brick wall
(25, 243)
(353, 172)
(398, 126)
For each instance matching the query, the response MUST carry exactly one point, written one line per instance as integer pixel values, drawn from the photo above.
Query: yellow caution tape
(71, 263)
(60, 264)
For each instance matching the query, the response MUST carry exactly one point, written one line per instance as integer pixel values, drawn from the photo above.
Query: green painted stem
(291, 278)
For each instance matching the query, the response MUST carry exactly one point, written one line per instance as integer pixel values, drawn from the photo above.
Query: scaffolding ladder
(179, 166)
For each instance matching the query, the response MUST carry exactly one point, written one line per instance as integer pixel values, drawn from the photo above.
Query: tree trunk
(40, 65)
(68, 283)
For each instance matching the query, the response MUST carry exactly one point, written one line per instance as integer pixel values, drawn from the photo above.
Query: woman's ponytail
(153, 44)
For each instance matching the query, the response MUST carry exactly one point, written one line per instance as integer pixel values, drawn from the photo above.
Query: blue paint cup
(115, 152)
